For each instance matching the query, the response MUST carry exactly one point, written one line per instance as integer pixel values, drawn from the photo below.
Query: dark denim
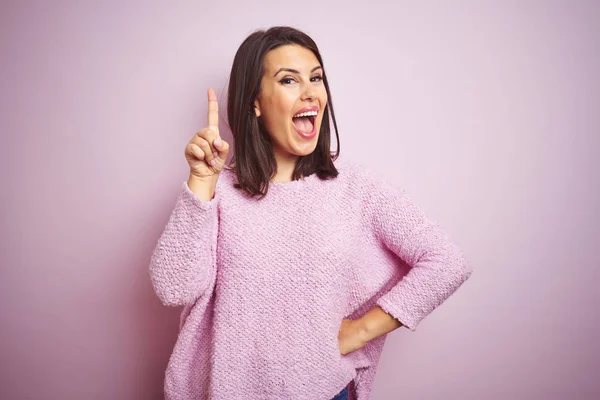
(343, 395)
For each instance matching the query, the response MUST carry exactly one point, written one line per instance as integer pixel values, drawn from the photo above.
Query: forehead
(290, 56)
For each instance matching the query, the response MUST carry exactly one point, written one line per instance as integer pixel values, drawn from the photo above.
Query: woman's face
(292, 83)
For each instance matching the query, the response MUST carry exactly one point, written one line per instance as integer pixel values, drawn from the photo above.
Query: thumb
(222, 147)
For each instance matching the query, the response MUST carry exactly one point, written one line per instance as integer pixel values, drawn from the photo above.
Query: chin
(304, 147)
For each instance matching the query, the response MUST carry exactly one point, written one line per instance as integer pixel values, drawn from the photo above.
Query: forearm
(377, 322)
(204, 190)
(182, 265)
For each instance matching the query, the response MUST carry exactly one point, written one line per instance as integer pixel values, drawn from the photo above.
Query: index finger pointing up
(213, 111)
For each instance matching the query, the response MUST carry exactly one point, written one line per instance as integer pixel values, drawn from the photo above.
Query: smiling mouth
(305, 124)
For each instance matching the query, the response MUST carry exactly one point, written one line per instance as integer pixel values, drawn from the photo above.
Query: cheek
(283, 107)
(323, 100)
(277, 116)
(323, 96)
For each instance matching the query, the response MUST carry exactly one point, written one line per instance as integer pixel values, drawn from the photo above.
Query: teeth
(307, 114)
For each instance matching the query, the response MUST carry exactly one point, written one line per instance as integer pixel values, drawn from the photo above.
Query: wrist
(203, 189)
(377, 322)
(363, 329)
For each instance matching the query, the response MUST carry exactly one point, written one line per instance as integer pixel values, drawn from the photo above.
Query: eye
(286, 81)
(317, 78)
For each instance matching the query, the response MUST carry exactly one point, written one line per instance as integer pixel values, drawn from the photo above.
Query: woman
(289, 262)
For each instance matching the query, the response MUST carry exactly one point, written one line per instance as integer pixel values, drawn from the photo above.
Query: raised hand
(206, 152)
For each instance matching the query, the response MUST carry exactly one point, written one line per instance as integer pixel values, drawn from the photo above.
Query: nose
(308, 92)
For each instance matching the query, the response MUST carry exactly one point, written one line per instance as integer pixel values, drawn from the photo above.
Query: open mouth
(305, 122)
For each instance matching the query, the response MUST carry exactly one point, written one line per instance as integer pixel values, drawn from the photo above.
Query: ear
(257, 108)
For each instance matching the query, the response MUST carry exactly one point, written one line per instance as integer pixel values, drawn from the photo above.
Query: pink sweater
(266, 283)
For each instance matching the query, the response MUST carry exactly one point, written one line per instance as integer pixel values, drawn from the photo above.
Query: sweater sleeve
(183, 263)
(438, 267)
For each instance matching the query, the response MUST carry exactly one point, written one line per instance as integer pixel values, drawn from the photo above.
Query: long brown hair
(255, 163)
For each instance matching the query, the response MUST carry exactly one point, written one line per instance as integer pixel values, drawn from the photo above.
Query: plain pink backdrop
(488, 115)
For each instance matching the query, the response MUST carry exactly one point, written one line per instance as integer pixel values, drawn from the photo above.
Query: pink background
(488, 115)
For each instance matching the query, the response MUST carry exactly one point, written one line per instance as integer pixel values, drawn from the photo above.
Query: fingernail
(217, 142)
(216, 153)
(213, 162)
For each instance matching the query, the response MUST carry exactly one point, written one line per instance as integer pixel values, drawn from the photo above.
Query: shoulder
(361, 173)
(371, 184)
(349, 169)
(227, 179)
(227, 175)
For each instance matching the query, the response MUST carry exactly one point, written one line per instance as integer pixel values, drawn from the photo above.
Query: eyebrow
(296, 71)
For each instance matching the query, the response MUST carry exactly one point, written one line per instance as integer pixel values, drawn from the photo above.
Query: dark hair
(255, 163)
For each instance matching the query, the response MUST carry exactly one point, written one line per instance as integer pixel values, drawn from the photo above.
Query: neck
(285, 167)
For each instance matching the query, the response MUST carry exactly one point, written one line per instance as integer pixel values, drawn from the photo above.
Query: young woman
(291, 265)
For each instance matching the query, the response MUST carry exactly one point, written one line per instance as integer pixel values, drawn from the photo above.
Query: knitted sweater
(266, 283)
